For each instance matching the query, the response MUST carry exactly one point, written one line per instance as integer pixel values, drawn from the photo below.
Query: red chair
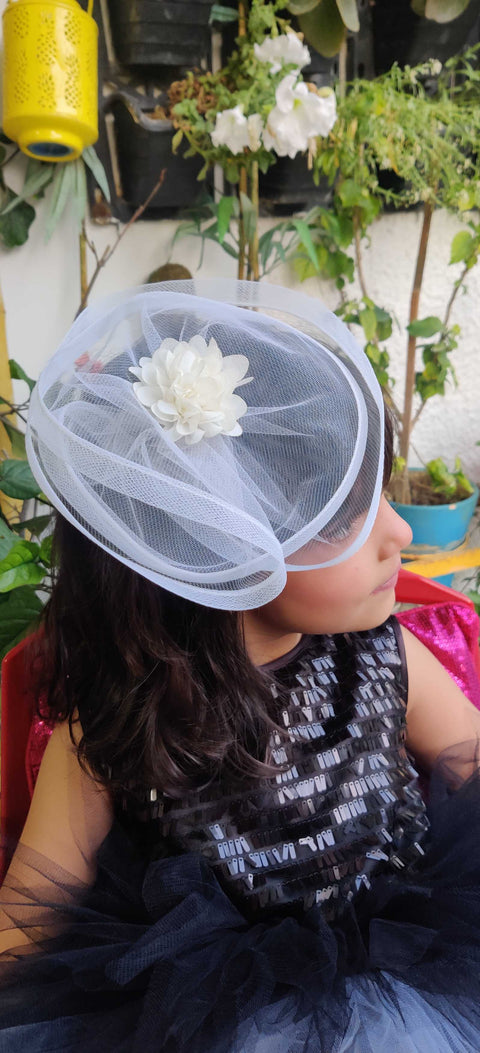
(22, 743)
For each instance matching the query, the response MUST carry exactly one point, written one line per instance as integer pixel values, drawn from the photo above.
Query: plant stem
(243, 189)
(10, 157)
(342, 68)
(242, 18)
(253, 245)
(358, 251)
(451, 301)
(412, 343)
(82, 241)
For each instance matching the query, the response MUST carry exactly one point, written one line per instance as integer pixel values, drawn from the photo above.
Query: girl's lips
(389, 584)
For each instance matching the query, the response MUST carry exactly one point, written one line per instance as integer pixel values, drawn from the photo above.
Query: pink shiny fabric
(450, 631)
(40, 732)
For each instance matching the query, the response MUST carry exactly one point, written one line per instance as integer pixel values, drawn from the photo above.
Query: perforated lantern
(50, 105)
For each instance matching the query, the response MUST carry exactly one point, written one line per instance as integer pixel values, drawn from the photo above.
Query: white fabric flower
(298, 116)
(188, 386)
(282, 50)
(234, 130)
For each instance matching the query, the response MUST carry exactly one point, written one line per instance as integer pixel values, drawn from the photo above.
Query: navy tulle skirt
(158, 958)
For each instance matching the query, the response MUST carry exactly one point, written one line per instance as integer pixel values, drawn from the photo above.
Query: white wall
(40, 287)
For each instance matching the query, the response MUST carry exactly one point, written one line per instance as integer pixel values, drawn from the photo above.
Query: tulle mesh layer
(157, 957)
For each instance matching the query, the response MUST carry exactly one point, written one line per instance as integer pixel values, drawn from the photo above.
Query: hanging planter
(50, 78)
(160, 32)
(441, 526)
(143, 141)
(402, 36)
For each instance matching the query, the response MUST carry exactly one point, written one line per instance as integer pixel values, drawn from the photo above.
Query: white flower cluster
(285, 49)
(188, 386)
(299, 113)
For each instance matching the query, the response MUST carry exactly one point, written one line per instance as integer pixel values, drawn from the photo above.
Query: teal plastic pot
(438, 526)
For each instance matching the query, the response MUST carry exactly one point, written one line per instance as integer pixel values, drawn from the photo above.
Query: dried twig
(110, 249)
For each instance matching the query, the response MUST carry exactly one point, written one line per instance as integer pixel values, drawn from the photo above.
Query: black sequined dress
(322, 910)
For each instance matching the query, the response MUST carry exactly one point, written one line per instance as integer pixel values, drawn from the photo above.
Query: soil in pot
(422, 492)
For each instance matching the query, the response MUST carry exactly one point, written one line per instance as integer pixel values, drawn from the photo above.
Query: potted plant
(430, 139)
(254, 110)
(143, 139)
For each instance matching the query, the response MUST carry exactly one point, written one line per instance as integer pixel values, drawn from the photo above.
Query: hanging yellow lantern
(50, 104)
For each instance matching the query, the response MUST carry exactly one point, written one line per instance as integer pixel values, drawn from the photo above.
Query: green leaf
(79, 192)
(442, 480)
(18, 614)
(177, 138)
(349, 14)
(384, 323)
(352, 194)
(7, 539)
(368, 321)
(36, 525)
(226, 208)
(462, 247)
(249, 216)
(16, 480)
(20, 567)
(94, 163)
(17, 440)
(33, 183)
(445, 10)
(17, 373)
(62, 189)
(220, 13)
(303, 231)
(425, 326)
(323, 28)
(300, 7)
(15, 226)
(46, 550)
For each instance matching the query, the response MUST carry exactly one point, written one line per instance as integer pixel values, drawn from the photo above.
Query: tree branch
(451, 301)
(358, 252)
(107, 255)
(412, 340)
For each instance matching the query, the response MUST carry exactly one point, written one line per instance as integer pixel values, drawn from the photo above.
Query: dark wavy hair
(165, 692)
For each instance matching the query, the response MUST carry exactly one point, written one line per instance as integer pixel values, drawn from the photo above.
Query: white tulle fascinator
(138, 435)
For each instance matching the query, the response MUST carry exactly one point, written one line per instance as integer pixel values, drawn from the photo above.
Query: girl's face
(357, 594)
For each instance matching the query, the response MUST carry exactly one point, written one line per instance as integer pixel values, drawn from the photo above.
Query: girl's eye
(335, 532)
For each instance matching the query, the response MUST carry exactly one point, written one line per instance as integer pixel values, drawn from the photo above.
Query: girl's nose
(396, 533)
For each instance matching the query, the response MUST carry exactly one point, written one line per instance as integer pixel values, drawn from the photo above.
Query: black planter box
(144, 148)
(402, 36)
(156, 33)
(288, 187)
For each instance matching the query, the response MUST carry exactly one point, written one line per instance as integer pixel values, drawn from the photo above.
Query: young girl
(227, 850)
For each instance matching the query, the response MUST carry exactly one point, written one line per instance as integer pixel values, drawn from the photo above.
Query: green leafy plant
(233, 118)
(25, 528)
(428, 138)
(61, 183)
